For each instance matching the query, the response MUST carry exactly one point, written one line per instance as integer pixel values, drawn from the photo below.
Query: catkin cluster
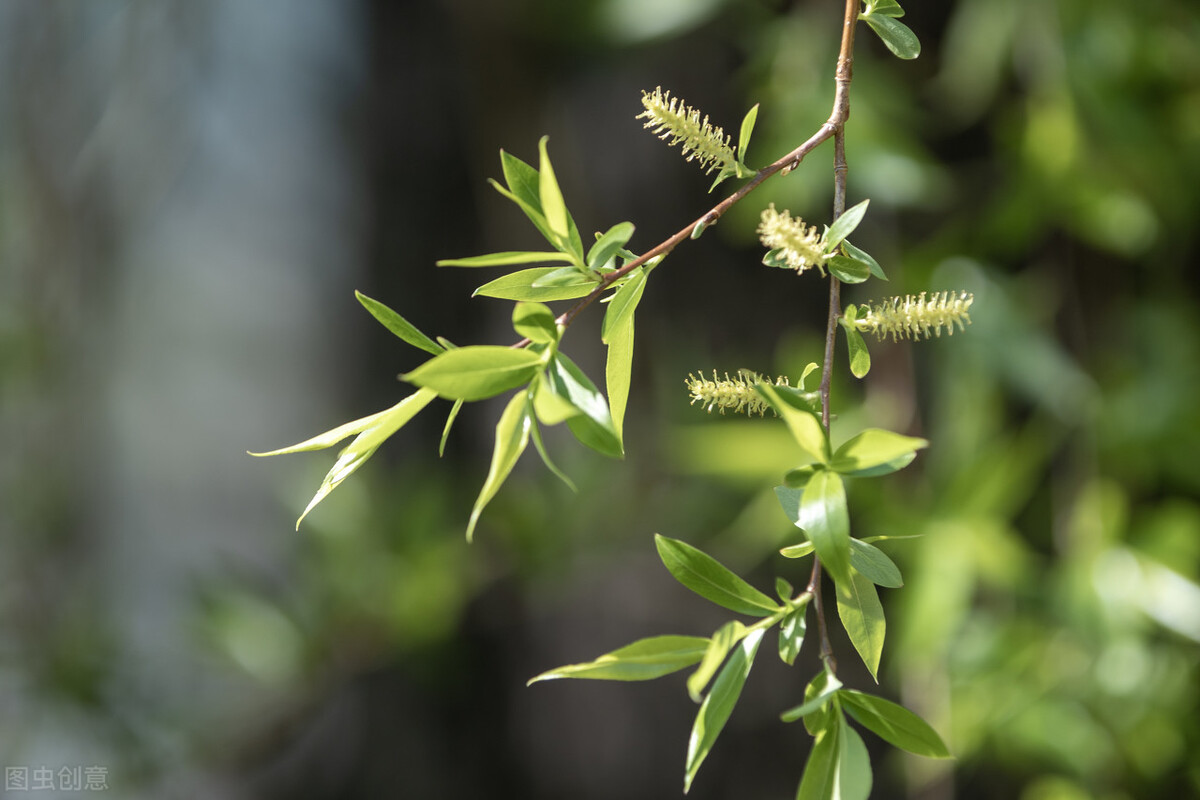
(795, 244)
(913, 317)
(701, 142)
(734, 394)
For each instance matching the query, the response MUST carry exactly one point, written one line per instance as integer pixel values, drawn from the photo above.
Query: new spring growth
(734, 394)
(670, 117)
(916, 317)
(792, 244)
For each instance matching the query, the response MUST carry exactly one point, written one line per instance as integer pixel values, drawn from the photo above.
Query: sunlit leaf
(824, 519)
(594, 426)
(718, 647)
(862, 617)
(398, 324)
(844, 225)
(476, 372)
(894, 724)
(874, 565)
(872, 448)
(624, 301)
(854, 764)
(804, 425)
(366, 443)
(540, 446)
(746, 131)
(791, 634)
(535, 322)
(715, 710)
(848, 270)
(797, 550)
(708, 578)
(818, 694)
(609, 244)
(551, 196)
(453, 415)
(884, 8)
(507, 258)
(519, 285)
(642, 660)
(512, 436)
(618, 373)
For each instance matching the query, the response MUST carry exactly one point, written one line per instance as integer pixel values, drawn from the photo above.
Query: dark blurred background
(191, 192)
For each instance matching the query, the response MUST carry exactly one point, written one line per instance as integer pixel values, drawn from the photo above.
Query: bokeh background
(190, 193)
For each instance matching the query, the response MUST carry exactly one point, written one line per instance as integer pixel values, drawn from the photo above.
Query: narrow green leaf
(618, 373)
(328, 438)
(874, 564)
(898, 37)
(507, 258)
(715, 710)
(819, 781)
(894, 724)
(533, 212)
(540, 446)
(719, 646)
(884, 8)
(863, 255)
(747, 129)
(609, 244)
(789, 500)
(818, 694)
(520, 285)
(797, 550)
(522, 180)
(854, 765)
(844, 225)
(804, 425)
(848, 270)
(563, 276)
(535, 322)
(791, 634)
(873, 448)
(398, 324)
(594, 426)
(642, 660)
(783, 589)
(708, 578)
(862, 617)
(551, 196)
(512, 437)
(551, 408)
(624, 302)
(453, 415)
(367, 442)
(824, 519)
(476, 372)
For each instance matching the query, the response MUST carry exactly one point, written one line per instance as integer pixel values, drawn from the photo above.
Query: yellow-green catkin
(732, 394)
(796, 244)
(701, 142)
(914, 317)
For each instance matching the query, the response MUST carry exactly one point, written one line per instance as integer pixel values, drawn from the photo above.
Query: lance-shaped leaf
(719, 646)
(865, 257)
(453, 415)
(894, 724)
(862, 617)
(609, 244)
(524, 189)
(643, 660)
(540, 446)
(874, 564)
(535, 322)
(820, 778)
(624, 302)
(594, 425)
(817, 695)
(372, 432)
(508, 258)
(848, 270)
(398, 325)
(618, 373)
(718, 705)
(476, 372)
(898, 37)
(844, 225)
(520, 285)
(746, 130)
(875, 449)
(823, 517)
(708, 578)
(804, 425)
(860, 356)
(791, 634)
(854, 764)
(551, 196)
(512, 436)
